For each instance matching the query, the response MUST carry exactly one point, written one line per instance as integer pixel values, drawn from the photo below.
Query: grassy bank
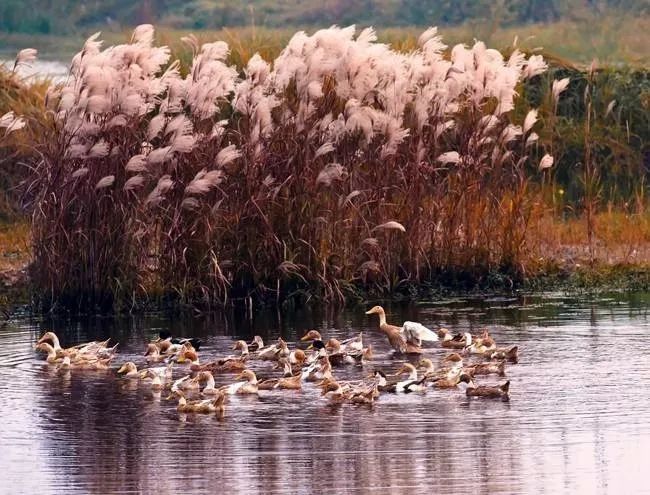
(258, 195)
(612, 39)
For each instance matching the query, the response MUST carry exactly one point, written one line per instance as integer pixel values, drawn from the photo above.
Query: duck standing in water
(406, 339)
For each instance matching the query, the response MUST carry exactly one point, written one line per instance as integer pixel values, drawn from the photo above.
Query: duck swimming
(165, 335)
(413, 383)
(204, 406)
(406, 339)
(491, 392)
(129, 370)
(247, 386)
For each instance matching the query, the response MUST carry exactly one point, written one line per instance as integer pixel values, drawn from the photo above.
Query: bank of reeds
(343, 162)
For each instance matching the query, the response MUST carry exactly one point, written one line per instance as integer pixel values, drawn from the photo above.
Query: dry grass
(620, 238)
(345, 162)
(15, 252)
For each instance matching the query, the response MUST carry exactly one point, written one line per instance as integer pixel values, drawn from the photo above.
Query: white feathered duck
(406, 339)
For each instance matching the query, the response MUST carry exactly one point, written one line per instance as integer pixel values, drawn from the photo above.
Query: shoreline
(17, 293)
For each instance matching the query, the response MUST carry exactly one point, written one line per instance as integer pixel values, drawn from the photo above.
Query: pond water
(55, 71)
(577, 421)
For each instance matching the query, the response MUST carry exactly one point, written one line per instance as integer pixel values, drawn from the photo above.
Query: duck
(52, 355)
(455, 362)
(204, 406)
(256, 344)
(430, 371)
(320, 370)
(413, 383)
(230, 364)
(247, 386)
(165, 335)
(332, 391)
(185, 383)
(87, 348)
(208, 377)
(128, 370)
(481, 344)
(284, 383)
(510, 354)
(164, 372)
(152, 354)
(288, 369)
(274, 352)
(242, 347)
(187, 354)
(489, 368)
(64, 366)
(383, 385)
(92, 363)
(458, 341)
(406, 339)
(297, 357)
(311, 336)
(484, 339)
(353, 344)
(488, 391)
(348, 355)
(364, 395)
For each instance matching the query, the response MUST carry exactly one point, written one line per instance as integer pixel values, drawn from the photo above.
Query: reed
(342, 162)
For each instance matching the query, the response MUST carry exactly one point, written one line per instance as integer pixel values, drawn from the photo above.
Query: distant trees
(45, 16)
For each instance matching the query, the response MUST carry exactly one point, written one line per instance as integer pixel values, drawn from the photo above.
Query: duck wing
(416, 332)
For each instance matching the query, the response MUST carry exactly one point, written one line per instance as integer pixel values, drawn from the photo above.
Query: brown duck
(406, 339)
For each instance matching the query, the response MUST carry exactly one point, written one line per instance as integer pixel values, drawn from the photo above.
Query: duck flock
(469, 357)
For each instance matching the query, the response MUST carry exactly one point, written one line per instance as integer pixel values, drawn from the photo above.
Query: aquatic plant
(342, 161)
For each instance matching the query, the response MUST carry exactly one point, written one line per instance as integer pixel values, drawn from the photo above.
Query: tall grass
(25, 102)
(341, 162)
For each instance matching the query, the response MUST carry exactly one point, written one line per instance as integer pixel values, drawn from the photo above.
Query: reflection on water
(577, 420)
(53, 70)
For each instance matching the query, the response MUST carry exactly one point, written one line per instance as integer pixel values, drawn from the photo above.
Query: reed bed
(341, 163)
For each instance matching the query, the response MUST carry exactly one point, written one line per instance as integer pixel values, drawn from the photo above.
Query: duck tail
(513, 353)
(367, 353)
(505, 388)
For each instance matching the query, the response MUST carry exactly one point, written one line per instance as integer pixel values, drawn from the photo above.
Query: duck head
(51, 338)
(247, 375)
(298, 356)
(311, 335)
(427, 365)
(242, 346)
(410, 369)
(128, 368)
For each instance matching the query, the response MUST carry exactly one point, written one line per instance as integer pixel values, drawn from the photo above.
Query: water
(55, 71)
(577, 420)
